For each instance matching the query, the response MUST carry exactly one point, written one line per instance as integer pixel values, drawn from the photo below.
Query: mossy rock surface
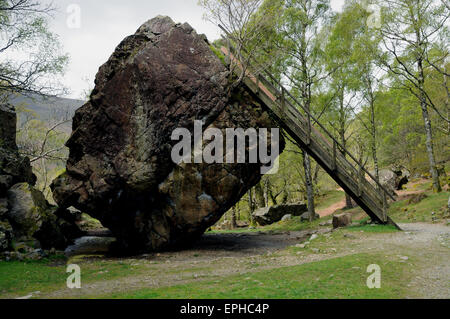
(27, 208)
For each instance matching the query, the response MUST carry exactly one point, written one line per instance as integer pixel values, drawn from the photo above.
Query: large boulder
(269, 215)
(120, 170)
(393, 179)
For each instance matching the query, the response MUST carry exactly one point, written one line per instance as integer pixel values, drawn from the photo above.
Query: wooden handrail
(267, 85)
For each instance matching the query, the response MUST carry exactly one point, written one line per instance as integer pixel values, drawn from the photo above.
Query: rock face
(13, 168)
(120, 171)
(269, 215)
(27, 207)
(25, 215)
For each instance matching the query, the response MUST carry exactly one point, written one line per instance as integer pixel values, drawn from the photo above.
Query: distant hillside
(48, 109)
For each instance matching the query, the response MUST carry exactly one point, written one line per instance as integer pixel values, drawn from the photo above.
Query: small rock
(90, 245)
(315, 250)
(286, 217)
(404, 258)
(305, 217)
(313, 237)
(300, 246)
(342, 220)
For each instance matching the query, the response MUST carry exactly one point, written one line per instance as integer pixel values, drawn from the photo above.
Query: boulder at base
(120, 170)
(305, 217)
(393, 179)
(269, 215)
(31, 216)
(342, 220)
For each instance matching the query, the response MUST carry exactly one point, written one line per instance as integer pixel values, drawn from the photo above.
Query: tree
(299, 38)
(409, 29)
(343, 80)
(247, 24)
(37, 61)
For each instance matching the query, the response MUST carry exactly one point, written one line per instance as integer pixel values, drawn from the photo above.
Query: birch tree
(409, 30)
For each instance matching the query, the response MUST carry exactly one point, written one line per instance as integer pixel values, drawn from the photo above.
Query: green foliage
(219, 54)
(31, 58)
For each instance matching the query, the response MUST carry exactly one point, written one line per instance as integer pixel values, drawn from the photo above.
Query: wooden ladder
(321, 145)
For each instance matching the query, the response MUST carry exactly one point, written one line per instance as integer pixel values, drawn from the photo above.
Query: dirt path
(221, 255)
(332, 209)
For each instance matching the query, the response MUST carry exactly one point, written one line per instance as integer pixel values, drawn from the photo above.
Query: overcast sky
(104, 23)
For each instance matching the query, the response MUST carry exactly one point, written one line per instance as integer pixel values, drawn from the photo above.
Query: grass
(401, 211)
(333, 278)
(373, 229)
(24, 277)
(343, 277)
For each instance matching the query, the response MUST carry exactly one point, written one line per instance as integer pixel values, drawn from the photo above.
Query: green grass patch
(401, 211)
(343, 277)
(29, 276)
(373, 228)
(24, 277)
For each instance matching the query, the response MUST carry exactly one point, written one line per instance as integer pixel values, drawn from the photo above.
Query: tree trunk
(309, 185)
(342, 122)
(374, 141)
(250, 205)
(233, 218)
(348, 199)
(266, 192)
(260, 196)
(429, 141)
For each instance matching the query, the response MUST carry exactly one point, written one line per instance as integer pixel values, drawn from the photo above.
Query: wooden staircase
(315, 139)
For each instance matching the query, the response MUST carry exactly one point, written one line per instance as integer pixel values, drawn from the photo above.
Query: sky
(90, 30)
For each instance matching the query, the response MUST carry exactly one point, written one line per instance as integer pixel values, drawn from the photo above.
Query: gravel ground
(220, 255)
